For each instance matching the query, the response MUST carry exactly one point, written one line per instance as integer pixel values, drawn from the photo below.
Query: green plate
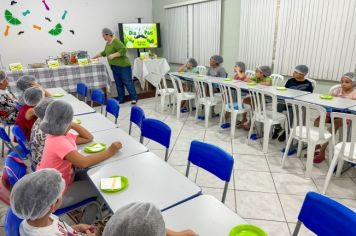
(200, 75)
(95, 148)
(58, 95)
(282, 88)
(77, 121)
(325, 96)
(247, 230)
(181, 72)
(228, 79)
(124, 184)
(251, 83)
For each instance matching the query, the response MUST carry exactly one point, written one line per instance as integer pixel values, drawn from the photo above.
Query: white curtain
(318, 33)
(206, 30)
(176, 35)
(257, 30)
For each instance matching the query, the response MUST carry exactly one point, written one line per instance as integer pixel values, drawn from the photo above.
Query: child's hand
(84, 228)
(187, 232)
(114, 147)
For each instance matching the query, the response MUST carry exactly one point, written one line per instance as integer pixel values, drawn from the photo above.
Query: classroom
(178, 117)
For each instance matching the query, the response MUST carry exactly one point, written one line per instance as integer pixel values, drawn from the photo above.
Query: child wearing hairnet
(26, 117)
(60, 152)
(28, 81)
(216, 69)
(240, 69)
(8, 111)
(346, 90)
(297, 82)
(140, 219)
(35, 197)
(262, 77)
(190, 66)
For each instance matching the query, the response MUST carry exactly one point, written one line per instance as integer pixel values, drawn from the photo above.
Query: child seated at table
(26, 117)
(60, 152)
(8, 111)
(298, 82)
(35, 197)
(142, 219)
(346, 90)
(190, 66)
(28, 81)
(216, 69)
(240, 69)
(262, 77)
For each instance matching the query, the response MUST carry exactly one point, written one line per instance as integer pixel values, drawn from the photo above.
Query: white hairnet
(352, 77)
(241, 65)
(40, 108)
(25, 82)
(266, 70)
(32, 96)
(302, 69)
(135, 219)
(33, 195)
(217, 58)
(58, 116)
(107, 31)
(193, 62)
(2, 75)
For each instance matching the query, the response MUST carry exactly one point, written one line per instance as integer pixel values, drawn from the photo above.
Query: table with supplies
(81, 108)
(94, 122)
(130, 146)
(150, 179)
(204, 214)
(336, 102)
(66, 77)
(143, 69)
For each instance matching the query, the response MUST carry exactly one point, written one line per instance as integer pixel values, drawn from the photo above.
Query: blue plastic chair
(22, 141)
(324, 216)
(82, 90)
(14, 169)
(12, 223)
(6, 141)
(137, 116)
(98, 96)
(213, 159)
(112, 107)
(157, 131)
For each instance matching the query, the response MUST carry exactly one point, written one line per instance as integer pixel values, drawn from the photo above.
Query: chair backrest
(22, 140)
(302, 112)
(113, 107)
(137, 115)
(250, 73)
(324, 216)
(82, 89)
(313, 82)
(5, 138)
(231, 97)
(201, 70)
(211, 158)
(156, 130)
(277, 80)
(177, 85)
(201, 87)
(98, 96)
(259, 104)
(348, 147)
(14, 169)
(336, 86)
(12, 223)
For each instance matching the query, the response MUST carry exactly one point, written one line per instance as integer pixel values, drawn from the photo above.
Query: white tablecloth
(143, 70)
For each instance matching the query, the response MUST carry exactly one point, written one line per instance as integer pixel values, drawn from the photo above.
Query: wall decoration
(21, 32)
(72, 31)
(25, 13)
(45, 4)
(60, 42)
(13, 3)
(6, 33)
(57, 30)
(10, 19)
(64, 14)
(48, 19)
(37, 27)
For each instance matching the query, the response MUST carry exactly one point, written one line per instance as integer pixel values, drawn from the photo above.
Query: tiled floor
(260, 191)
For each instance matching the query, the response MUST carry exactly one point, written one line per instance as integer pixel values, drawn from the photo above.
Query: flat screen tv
(140, 35)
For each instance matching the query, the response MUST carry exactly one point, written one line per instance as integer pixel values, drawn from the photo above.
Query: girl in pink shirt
(240, 69)
(60, 152)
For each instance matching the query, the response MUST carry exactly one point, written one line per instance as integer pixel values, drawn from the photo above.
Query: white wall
(86, 17)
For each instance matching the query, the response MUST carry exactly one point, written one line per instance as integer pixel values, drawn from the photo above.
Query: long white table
(130, 146)
(57, 90)
(352, 109)
(150, 180)
(81, 108)
(336, 102)
(289, 93)
(204, 214)
(95, 122)
(67, 97)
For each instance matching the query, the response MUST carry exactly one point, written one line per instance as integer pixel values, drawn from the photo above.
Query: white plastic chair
(208, 101)
(268, 116)
(231, 104)
(201, 70)
(277, 80)
(336, 86)
(304, 131)
(250, 73)
(344, 150)
(181, 95)
(163, 90)
(313, 82)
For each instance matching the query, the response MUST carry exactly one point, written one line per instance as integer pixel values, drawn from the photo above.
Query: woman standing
(115, 51)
